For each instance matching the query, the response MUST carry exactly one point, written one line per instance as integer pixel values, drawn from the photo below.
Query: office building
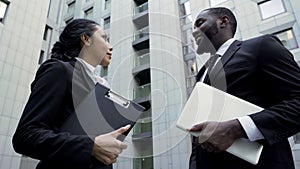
(153, 63)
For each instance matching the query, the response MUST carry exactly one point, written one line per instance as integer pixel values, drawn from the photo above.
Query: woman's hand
(107, 147)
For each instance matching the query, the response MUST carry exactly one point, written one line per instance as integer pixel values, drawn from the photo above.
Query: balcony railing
(142, 91)
(141, 33)
(142, 128)
(142, 60)
(140, 8)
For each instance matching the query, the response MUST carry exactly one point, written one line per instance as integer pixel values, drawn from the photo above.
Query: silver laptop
(210, 104)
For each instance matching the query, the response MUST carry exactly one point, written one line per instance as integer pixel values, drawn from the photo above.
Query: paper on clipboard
(210, 104)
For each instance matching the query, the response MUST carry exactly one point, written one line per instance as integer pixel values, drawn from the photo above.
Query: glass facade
(271, 8)
(287, 38)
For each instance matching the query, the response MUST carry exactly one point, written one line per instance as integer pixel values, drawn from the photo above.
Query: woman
(60, 84)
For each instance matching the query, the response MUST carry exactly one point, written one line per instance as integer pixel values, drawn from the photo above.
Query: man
(260, 70)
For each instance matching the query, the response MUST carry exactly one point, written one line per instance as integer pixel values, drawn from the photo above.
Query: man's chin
(207, 48)
(201, 50)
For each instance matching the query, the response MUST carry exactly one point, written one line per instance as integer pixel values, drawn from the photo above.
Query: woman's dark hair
(220, 12)
(69, 45)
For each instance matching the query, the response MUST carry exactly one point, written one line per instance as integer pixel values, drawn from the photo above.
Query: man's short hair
(220, 12)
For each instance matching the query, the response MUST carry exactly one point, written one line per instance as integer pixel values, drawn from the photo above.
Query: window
(185, 13)
(69, 20)
(106, 23)
(145, 163)
(271, 8)
(216, 2)
(185, 8)
(88, 14)
(3, 9)
(297, 138)
(71, 8)
(187, 41)
(107, 4)
(47, 32)
(288, 39)
(41, 59)
(104, 71)
(49, 8)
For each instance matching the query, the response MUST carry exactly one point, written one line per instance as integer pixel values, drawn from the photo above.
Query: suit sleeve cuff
(250, 128)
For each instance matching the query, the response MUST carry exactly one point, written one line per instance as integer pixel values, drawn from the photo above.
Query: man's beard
(206, 45)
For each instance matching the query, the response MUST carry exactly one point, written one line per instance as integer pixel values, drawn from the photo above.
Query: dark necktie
(209, 65)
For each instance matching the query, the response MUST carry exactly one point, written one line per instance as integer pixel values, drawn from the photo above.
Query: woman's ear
(85, 40)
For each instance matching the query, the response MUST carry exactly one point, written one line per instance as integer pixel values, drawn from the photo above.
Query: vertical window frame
(7, 3)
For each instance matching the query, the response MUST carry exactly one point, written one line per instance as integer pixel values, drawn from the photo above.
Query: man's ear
(224, 21)
(85, 40)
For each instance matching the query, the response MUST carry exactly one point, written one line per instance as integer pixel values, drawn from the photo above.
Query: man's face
(205, 30)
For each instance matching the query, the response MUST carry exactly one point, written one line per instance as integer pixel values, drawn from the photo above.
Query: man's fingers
(120, 131)
(197, 127)
(122, 145)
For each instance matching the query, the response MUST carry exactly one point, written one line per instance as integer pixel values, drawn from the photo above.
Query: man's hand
(218, 136)
(107, 148)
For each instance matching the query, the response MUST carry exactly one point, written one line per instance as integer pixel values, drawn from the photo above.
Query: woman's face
(98, 51)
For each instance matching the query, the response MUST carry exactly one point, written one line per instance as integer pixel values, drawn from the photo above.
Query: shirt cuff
(250, 128)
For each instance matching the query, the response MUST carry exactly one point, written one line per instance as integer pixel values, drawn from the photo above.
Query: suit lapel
(219, 67)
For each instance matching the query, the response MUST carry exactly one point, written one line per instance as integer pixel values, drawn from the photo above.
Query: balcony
(142, 91)
(139, 2)
(141, 15)
(142, 130)
(141, 63)
(142, 127)
(189, 51)
(141, 39)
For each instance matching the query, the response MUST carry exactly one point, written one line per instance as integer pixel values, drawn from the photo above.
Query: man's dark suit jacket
(57, 88)
(262, 71)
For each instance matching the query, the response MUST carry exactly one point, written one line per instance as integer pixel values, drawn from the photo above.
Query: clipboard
(102, 111)
(210, 104)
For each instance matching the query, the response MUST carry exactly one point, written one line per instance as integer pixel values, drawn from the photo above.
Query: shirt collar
(89, 66)
(221, 51)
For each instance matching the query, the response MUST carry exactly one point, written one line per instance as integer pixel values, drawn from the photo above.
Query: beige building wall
(168, 88)
(21, 36)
